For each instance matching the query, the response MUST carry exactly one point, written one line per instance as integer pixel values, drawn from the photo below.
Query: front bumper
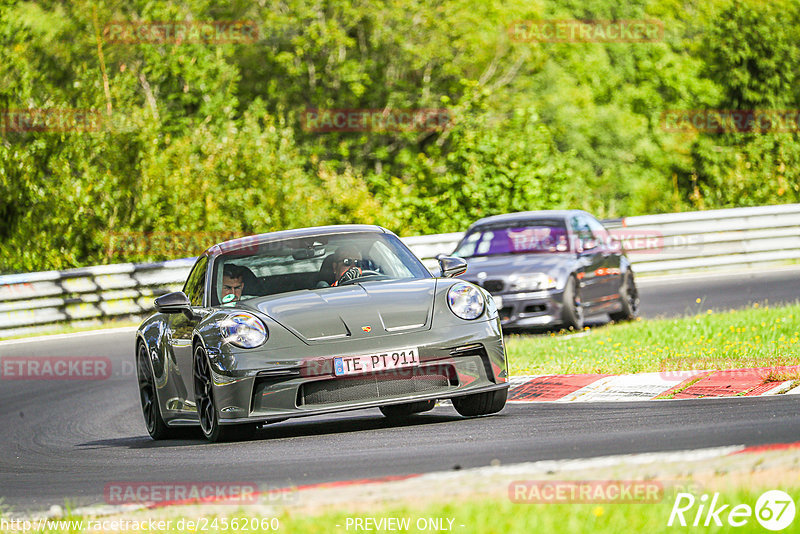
(267, 386)
(531, 309)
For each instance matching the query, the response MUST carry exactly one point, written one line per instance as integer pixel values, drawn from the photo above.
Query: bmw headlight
(243, 330)
(531, 282)
(465, 300)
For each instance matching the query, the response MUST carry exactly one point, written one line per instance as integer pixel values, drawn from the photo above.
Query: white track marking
(780, 388)
(793, 391)
(636, 387)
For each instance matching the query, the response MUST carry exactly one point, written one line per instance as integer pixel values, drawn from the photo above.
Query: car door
(608, 286)
(590, 261)
(181, 327)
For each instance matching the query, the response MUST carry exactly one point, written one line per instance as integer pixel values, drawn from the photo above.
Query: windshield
(311, 264)
(540, 236)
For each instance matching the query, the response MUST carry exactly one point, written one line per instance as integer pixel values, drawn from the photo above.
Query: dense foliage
(198, 140)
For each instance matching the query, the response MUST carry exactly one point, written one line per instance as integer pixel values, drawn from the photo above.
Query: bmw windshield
(522, 237)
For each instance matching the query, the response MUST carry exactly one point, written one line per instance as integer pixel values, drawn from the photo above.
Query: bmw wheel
(572, 309)
(628, 299)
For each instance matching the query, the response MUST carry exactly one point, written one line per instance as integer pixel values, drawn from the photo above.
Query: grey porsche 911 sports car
(313, 321)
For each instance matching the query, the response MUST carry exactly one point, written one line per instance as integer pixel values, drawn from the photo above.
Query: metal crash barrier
(667, 243)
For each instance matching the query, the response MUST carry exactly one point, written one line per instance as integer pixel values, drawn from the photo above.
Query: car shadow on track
(290, 429)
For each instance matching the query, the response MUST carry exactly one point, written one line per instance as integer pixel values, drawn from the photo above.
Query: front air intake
(377, 386)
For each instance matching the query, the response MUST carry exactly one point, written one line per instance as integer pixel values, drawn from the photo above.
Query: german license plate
(380, 361)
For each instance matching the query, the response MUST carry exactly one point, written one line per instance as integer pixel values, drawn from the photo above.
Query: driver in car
(232, 283)
(346, 264)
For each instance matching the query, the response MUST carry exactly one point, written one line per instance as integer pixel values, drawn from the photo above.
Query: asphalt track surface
(64, 441)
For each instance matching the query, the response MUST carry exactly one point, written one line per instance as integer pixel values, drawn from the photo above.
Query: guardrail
(673, 242)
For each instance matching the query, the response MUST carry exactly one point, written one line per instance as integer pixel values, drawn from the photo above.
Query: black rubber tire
(206, 406)
(397, 411)
(151, 410)
(481, 403)
(628, 299)
(571, 309)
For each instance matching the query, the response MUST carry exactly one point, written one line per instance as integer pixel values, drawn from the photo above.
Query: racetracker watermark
(117, 493)
(586, 31)
(376, 120)
(104, 525)
(758, 121)
(586, 491)
(647, 241)
(168, 244)
(55, 368)
(182, 32)
(50, 120)
(774, 510)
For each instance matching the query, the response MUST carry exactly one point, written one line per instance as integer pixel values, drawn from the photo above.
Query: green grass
(499, 515)
(756, 337)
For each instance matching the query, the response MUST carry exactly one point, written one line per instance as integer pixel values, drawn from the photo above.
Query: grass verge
(478, 516)
(755, 337)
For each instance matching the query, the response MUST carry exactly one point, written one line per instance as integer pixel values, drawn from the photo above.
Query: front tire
(628, 299)
(572, 308)
(206, 407)
(398, 411)
(481, 403)
(151, 409)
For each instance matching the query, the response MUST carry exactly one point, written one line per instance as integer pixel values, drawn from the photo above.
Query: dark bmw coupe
(313, 321)
(548, 269)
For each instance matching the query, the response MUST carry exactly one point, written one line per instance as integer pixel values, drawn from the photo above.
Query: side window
(196, 283)
(599, 231)
(581, 228)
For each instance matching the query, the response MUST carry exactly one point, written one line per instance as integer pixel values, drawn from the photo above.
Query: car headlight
(465, 300)
(243, 330)
(531, 282)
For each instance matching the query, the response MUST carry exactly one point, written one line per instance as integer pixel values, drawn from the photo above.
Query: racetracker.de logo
(55, 368)
(586, 491)
(50, 120)
(586, 31)
(182, 32)
(758, 121)
(375, 120)
(117, 493)
(175, 244)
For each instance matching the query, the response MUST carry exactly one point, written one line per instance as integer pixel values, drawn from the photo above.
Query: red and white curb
(650, 386)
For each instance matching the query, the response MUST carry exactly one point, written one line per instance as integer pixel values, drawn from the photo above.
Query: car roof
(260, 239)
(526, 215)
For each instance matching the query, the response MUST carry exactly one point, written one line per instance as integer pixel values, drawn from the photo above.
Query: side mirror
(176, 302)
(451, 266)
(589, 244)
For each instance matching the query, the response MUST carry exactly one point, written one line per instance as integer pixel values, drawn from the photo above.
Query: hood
(508, 264)
(367, 310)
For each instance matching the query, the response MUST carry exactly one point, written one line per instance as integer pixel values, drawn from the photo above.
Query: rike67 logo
(774, 510)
